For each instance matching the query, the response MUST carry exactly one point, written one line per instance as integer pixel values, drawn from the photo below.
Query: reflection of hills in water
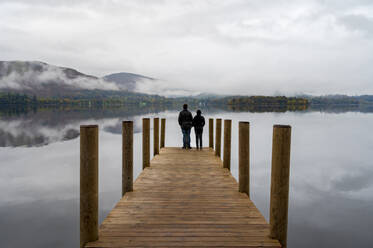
(18, 133)
(28, 128)
(38, 127)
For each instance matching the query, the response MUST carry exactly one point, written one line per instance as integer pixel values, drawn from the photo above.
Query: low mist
(38, 75)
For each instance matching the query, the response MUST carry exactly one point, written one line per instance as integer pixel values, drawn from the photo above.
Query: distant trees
(15, 99)
(89, 99)
(261, 101)
(108, 99)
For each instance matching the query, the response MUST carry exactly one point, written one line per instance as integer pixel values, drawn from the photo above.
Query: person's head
(185, 106)
(199, 112)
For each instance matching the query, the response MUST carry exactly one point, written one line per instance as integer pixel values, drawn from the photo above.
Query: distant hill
(125, 80)
(45, 80)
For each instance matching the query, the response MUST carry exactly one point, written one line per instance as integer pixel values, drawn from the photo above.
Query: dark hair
(185, 106)
(199, 112)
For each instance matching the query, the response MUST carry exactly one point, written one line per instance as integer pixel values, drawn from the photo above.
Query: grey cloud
(245, 47)
(358, 23)
(354, 182)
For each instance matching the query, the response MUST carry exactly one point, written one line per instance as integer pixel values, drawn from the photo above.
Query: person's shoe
(183, 147)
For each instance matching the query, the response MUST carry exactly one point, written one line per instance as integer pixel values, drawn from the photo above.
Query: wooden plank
(185, 198)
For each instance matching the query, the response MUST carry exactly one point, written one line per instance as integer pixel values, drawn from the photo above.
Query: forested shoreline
(249, 103)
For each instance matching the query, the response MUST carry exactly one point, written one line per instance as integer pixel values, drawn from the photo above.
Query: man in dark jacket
(186, 123)
(198, 124)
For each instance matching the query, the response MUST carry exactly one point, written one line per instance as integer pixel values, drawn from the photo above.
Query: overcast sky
(235, 46)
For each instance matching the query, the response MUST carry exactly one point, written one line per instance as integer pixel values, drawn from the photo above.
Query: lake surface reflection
(331, 203)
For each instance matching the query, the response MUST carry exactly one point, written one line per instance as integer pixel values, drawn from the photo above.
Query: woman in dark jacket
(198, 123)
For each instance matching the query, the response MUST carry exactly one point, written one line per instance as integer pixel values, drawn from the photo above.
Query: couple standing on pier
(186, 122)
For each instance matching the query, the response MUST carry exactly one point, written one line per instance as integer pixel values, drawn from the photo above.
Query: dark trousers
(186, 137)
(198, 137)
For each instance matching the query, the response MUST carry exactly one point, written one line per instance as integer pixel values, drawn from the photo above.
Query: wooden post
(88, 184)
(127, 157)
(218, 138)
(244, 157)
(211, 133)
(163, 132)
(227, 144)
(156, 136)
(280, 183)
(145, 143)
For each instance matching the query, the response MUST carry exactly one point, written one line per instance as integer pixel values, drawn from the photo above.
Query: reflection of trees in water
(26, 138)
(342, 108)
(84, 112)
(335, 108)
(264, 108)
(37, 127)
(23, 126)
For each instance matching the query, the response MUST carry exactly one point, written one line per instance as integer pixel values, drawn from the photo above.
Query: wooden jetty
(185, 198)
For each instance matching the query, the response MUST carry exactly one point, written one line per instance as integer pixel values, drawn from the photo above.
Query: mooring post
(127, 156)
(88, 184)
(163, 132)
(227, 144)
(218, 138)
(211, 133)
(244, 157)
(280, 183)
(145, 143)
(156, 136)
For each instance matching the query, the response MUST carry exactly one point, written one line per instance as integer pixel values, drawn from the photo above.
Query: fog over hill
(45, 80)
(127, 81)
(42, 79)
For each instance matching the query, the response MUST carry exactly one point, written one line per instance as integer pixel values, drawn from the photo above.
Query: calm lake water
(331, 191)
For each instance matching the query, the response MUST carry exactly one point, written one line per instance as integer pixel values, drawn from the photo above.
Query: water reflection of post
(244, 157)
(211, 133)
(88, 184)
(145, 143)
(280, 183)
(163, 132)
(127, 157)
(218, 138)
(156, 136)
(227, 144)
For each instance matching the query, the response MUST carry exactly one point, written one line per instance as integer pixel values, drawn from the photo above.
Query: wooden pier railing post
(244, 157)
(227, 144)
(127, 156)
(211, 133)
(280, 183)
(163, 132)
(218, 138)
(145, 143)
(156, 136)
(88, 184)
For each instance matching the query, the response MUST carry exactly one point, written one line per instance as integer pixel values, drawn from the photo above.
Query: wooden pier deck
(185, 198)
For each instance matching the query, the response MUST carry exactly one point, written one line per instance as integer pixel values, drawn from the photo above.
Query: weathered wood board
(185, 198)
